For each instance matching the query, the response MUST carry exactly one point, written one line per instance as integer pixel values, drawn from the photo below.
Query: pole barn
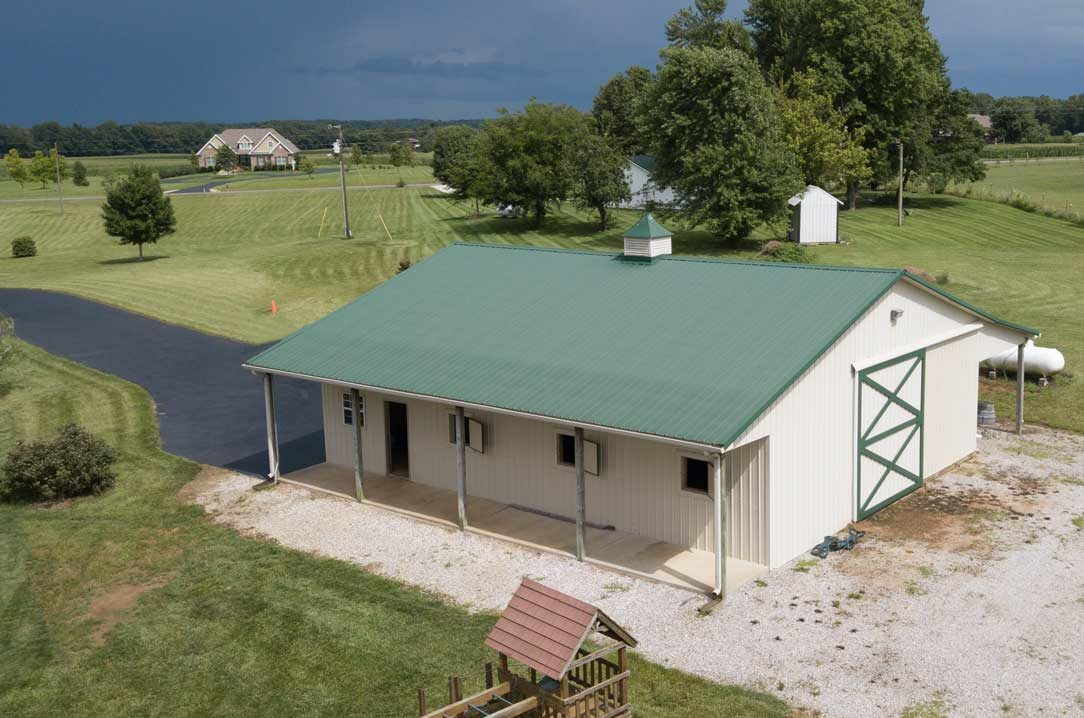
(692, 420)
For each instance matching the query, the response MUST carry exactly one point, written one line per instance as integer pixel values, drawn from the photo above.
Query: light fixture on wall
(894, 315)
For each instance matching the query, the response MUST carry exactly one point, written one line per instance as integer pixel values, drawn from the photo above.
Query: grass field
(360, 176)
(1051, 185)
(234, 253)
(224, 624)
(1033, 151)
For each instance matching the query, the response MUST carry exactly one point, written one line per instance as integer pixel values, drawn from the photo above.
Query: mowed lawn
(1052, 185)
(134, 604)
(235, 253)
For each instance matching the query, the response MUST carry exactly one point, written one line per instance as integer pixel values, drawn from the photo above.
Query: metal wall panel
(812, 449)
(638, 489)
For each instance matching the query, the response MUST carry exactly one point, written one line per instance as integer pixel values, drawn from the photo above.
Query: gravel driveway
(965, 599)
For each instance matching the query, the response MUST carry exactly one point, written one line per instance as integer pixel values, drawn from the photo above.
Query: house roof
(232, 135)
(984, 120)
(646, 162)
(812, 189)
(647, 228)
(684, 349)
(544, 628)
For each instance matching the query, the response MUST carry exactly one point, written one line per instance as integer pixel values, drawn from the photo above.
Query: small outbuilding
(643, 191)
(694, 420)
(814, 217)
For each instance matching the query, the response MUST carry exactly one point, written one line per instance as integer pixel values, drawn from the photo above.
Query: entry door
(398, 444)
(891, 406)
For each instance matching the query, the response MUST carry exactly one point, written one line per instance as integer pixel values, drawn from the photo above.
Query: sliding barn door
(891, 406)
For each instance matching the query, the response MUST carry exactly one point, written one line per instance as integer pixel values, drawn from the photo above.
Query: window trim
(475, 441)
(587, 443)
(347, 408)
(683, 458)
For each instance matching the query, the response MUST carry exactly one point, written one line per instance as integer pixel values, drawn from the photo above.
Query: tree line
(739, 115)
(111, 138)
(1030, 118)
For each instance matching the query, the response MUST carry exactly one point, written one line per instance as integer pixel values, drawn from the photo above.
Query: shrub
(776, 251)
(23, 247)
(404, 264)
(75, 463)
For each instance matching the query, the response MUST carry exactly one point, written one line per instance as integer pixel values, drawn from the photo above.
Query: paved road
(209, 409)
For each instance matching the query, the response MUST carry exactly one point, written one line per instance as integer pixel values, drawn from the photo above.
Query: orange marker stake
(274, 308)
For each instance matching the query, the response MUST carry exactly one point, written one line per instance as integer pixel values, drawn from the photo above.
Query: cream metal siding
(747, 481)
(951, 400)
(820, 219)
(638, 489)
(642, 190)
(811, 425)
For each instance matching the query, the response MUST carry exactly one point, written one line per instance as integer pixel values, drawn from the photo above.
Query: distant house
(641, 187)
(985, 123)
(255, 147)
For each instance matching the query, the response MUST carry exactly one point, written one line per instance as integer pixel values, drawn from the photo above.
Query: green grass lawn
(33, 190)
(225, 624)
(1051, 185)
(233, 253)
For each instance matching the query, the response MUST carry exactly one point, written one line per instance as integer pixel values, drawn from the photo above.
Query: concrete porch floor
(623, 552)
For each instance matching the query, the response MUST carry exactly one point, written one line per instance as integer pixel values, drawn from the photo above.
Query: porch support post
(359, 465)
(718, 496)
(461, 466)
(581, 498)
(272, 428)
(1020, 388)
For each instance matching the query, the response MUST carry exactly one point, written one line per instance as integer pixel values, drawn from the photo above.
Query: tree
(717, 138)
(79, 175)
(528, 158)
(456, 162)
(17, 169)
(947, 148)
(876, 58)
(42, 168)
(225, 158)
(600, 176)
(614, 109)
(136, 211)
(1014, 121)
(307, 166)
(356, 155)
(828, 154)
(401, 154)
(193, 159)
(702, 25)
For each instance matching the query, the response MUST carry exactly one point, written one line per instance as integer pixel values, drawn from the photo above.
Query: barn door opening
(397, 440)
(891, 414)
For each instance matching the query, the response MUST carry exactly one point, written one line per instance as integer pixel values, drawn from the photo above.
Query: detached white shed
(814, 217)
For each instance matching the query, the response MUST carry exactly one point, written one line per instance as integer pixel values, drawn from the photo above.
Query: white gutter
(708, 448)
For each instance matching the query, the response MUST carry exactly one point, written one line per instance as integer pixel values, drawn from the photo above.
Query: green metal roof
(646, 162)
(647, 228)
(684, 348)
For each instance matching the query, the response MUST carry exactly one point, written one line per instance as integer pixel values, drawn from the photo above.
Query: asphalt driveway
(209, 409)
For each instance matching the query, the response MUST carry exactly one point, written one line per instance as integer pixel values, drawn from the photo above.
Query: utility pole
(340, 148)
(59, 191)
(900, 198)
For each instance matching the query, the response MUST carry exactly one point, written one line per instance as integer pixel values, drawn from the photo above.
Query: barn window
(566, 453)
(695, 475)
(348, 410)
(473, 433)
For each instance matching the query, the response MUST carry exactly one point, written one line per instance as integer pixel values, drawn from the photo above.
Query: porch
(623, 552)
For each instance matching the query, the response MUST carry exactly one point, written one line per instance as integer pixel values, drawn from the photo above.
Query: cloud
(429, 68)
